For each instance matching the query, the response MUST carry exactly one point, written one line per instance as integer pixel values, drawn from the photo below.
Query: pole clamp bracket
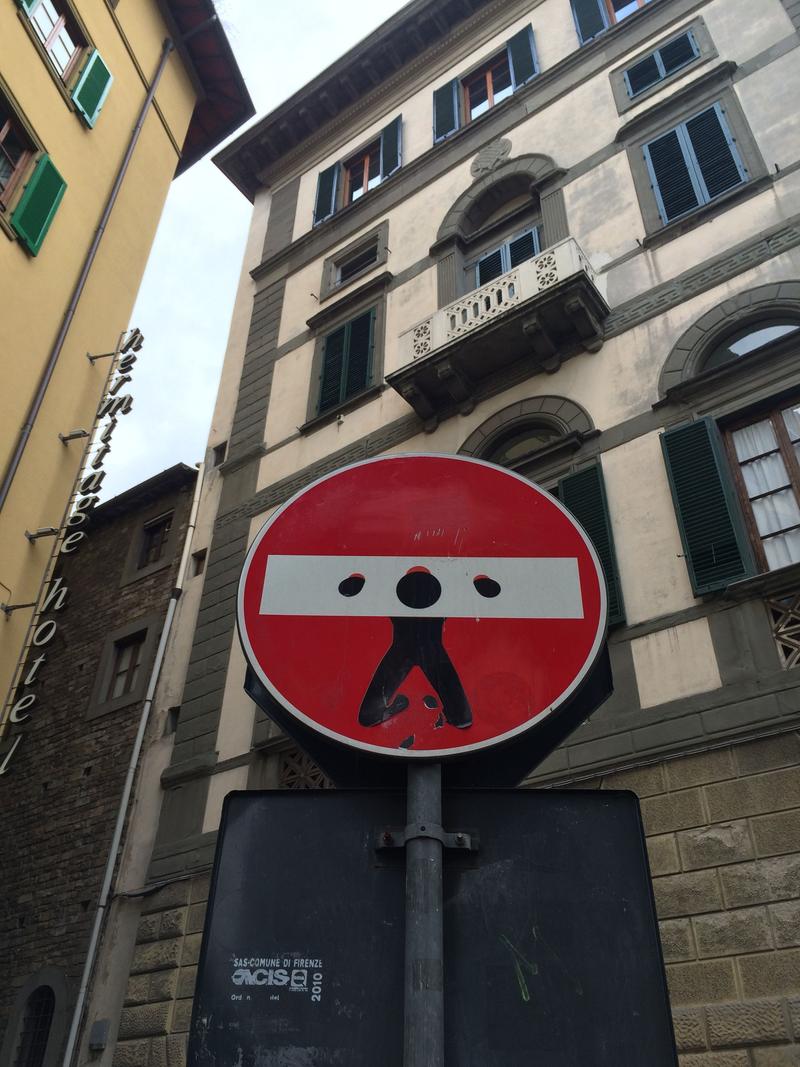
(399, 836)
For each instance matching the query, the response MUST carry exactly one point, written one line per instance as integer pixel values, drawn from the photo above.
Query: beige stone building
(562, 236)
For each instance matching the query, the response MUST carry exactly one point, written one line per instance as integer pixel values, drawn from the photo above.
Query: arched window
(749, 339)
(35, 1030)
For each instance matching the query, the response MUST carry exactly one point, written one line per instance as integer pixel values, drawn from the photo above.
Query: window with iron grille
(36, 1023)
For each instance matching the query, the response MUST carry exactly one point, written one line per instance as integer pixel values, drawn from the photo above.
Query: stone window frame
(131, 571)
(370, 295)
(46, 976)
(705, 45)
(98, 704)
(731, 393)
(330, 285)
(462, 235)
(713, 87)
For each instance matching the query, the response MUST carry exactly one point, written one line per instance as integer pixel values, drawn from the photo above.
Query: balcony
(528, 320)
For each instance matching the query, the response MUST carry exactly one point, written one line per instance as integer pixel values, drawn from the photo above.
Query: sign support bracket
(424, 956)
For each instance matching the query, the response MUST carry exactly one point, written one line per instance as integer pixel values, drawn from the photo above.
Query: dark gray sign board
(552, 954)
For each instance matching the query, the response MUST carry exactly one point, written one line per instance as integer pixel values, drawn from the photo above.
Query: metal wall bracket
(399, 836)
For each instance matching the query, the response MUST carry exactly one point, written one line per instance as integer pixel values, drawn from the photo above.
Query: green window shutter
(27, 5)
(326, 193)
(332, 369)
(584, 495)
(590, 18)
(715, 152)
(391, 147)
(709, 518)
(34, 213)
(93, 86)
(445, 110)
(359, 353)
(522, 56)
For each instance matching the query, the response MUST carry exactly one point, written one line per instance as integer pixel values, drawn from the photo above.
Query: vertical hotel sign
(71, 535)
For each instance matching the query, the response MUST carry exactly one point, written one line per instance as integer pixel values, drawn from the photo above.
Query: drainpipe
(80, 285)
(105, 892)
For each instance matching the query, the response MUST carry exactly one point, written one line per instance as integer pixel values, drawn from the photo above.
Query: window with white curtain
(765, 455)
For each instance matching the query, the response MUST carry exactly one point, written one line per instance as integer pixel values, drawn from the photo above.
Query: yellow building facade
(102, 102)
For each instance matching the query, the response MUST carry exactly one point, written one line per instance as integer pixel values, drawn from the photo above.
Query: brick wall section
(723, 834)
(61, 795)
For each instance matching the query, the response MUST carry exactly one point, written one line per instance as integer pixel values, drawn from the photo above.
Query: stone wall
(723, 834)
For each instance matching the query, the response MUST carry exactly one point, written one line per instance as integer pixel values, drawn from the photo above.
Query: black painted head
(418, 589)
(486, 586)
(352, 585)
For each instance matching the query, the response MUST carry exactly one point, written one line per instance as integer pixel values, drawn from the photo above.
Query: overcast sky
(186, 298)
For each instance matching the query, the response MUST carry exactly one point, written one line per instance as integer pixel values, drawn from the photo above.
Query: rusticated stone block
(157, 956)
(662, 853)
(768, 753)
(770, 973)
(729, 933)
(697, 770)
(169, 896)
(776, 834)
(191, 949)
(751, 1022)
(186, 982)
(786, 923)
(157, 1056)
(138, 991)
(711, 846)
(785, 1056)
(176, 1050)
(765, 880)
(163, 985)
(147, 929)
(131, 1054)
(687, 894)
(181, 1016)
(715, 1059)
(643, 781)
(690, 1031)
(794, 1014)
(173, 923)
(196, 919)
(673, 811)
(200, 889)
(757, 795)
(147, 1020)
(701, 983)
(677, 943)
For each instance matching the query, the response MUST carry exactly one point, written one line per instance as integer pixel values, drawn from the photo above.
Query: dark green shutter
(34, 213)
(26, 5)
(642, 75)
(359, 353)
(673, 184)
(332, 370)
(90, 93)
(445, 110)
(714, 151)
(490, 267)
(678, 53)
(584, 496)
(709, 518)
(523, 248)
(391, 147)
(522, 56)
(326, 193)
(590, 18)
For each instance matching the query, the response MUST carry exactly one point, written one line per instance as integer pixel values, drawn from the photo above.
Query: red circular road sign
(421, 605)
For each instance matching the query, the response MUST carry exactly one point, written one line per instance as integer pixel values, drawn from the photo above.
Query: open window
(17, 150)
(348, 181)
(593, 17)
(466, 98)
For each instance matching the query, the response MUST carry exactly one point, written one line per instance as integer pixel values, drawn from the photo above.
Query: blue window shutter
(522, 57)
(590, 18)
(92, 88)
(391, 147)
(677, 53)
(37, 206)
(714, 152)
(674, 182)
(326, 193)
(445, 110)
(708, 512)
(583, 494)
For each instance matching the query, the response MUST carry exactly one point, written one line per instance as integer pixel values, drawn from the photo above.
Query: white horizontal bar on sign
(529, 588)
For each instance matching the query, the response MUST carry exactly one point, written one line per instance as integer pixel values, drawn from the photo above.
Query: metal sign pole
(424, 996)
